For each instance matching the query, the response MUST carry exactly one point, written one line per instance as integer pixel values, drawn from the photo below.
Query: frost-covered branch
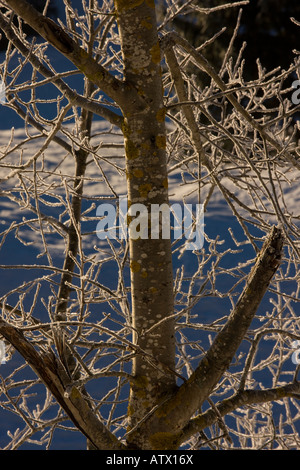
(172, 38)
(242, 399)
(130, 337)
(57, 37)
(73, 97)
(57, 381)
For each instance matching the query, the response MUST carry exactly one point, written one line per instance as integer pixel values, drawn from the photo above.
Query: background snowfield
(111, 153)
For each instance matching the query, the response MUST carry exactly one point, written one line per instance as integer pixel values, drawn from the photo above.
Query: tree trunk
(150, 259)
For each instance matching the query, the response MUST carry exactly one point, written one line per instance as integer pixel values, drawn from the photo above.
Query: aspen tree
(136, 77)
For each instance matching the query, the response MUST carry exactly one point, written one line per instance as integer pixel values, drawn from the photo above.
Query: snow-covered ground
(111, 169)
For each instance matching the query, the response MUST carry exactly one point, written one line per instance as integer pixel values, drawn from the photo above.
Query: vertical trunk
(150, 259)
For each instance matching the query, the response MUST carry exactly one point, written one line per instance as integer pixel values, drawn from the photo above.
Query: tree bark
(146, 166)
